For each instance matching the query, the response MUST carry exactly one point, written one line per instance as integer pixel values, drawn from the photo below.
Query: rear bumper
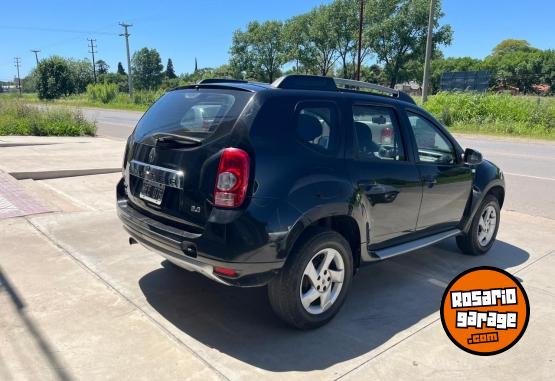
(180, 247)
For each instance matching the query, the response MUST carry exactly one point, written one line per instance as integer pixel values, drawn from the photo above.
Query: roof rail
(350, 83)
(220, 80)
(316, 82)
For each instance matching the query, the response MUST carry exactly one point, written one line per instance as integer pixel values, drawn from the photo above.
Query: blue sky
(185, 29)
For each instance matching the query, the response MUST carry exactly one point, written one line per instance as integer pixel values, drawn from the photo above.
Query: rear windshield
(198, 113)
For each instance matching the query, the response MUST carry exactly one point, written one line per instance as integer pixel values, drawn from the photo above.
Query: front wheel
(312, 286)
(482, 233)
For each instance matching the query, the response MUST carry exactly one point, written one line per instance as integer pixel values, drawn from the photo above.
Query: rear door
(173, 161)
(387, 180)
(447, 181)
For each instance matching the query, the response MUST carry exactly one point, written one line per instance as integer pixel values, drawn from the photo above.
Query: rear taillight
(232, 179)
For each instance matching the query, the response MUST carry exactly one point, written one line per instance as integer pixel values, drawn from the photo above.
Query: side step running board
(403, 248)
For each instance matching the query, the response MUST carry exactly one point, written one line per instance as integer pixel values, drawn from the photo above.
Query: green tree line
(322, 41)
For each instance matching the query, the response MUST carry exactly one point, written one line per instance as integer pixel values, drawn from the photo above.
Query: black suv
(296, 184)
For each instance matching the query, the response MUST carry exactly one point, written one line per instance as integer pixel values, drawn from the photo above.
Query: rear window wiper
(164, 137)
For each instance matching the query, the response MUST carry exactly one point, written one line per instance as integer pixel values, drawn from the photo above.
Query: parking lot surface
(78, 302)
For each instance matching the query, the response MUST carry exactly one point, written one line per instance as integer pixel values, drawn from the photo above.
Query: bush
(495, 113)
(53, 78)
(17, 118)
(146, 98)
(102, 92)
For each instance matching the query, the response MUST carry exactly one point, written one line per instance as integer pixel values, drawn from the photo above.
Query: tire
(296, 279)
(473, 242)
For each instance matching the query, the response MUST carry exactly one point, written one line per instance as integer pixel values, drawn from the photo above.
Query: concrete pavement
(78, 303)
(137, 316)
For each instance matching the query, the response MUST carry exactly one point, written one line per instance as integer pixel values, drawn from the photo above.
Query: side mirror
(472, 157)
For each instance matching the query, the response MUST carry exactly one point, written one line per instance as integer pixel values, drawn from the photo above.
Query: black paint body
(293, 187)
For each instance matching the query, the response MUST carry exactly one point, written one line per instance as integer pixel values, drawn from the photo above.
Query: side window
(317, 126)
(377, 133)
(433, 147)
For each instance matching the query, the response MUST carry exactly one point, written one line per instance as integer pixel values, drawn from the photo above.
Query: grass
(495, 114)
(121, 102)
(19, 118)
(101, 96)
(488, 114)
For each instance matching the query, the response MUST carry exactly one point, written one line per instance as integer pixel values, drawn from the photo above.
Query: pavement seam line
(386, 349)
(169, 334)
(535, 261)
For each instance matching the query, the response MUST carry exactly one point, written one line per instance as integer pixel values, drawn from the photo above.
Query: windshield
(197, 113)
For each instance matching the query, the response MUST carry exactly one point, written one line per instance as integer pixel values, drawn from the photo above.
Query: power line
(126, 35)
(36, 51)
(17, 63)
(57, 30)
(93, 46)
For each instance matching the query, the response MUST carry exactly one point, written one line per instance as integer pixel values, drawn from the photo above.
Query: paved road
(529, 166)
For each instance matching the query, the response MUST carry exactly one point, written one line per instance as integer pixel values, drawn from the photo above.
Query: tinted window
(433, 147)
(377, 133)
(195, 113)
(316, 125)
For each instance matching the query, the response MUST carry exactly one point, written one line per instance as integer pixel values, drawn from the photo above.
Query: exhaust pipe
(132, 241)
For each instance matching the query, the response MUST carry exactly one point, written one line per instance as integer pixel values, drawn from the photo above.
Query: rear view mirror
(379, 119)
(472, 157)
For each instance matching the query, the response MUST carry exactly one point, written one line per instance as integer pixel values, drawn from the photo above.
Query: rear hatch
(174, 157)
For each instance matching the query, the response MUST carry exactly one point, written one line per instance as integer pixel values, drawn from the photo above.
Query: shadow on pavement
(386, 299)
(29, 326)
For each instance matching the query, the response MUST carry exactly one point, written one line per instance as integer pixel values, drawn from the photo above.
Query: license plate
(152, 192)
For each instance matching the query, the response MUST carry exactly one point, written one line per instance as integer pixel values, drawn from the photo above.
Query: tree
(170, 73)
(373, 74)
(511, 45)
(452, 64)
(296, 43)
(29, 83)
(121, 70)
(147, 69)
(259, 51)
(322, 45)
(344, 24)
(118, 79)
(397, 31)
(81, 74)
(224, 71)
(53, 78)
(102, 67)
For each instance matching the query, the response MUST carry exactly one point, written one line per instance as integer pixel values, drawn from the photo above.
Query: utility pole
(126, 35)
(429, 42)
(92, 51)
(36, 55)
(360, 24)
(17, 63)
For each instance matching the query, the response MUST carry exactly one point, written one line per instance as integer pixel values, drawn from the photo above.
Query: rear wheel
(483, 231)
(312, 286)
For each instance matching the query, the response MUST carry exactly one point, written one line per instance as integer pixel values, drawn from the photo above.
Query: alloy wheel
(487, 225)
(322, 281)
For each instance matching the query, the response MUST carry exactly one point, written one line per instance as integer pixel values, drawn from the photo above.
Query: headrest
(308, 127)
(363, 131)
